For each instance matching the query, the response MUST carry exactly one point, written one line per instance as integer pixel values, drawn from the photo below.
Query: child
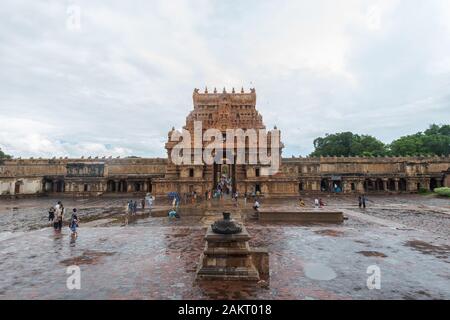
(73, 225)
(301, 203)
(51, 214)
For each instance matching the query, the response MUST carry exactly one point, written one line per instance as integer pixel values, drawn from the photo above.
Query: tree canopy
(348, 144)
(4, 155)
(433, 141)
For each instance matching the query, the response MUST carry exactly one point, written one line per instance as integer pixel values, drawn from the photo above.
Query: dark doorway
(17, 187)
(379, 185)
(368, 185)
(402, 184)
(60, 186)
(324, 185)
(111, 186)
(433, 184)
(391, 185)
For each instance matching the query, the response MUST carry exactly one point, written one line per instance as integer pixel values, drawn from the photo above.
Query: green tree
(4, 155)
(433, 141)
(348, 144)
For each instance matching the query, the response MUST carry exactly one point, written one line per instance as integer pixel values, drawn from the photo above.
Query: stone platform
(227, 257)
(301, 215)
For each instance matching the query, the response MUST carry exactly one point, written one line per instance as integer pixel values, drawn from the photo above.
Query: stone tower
(221, 111)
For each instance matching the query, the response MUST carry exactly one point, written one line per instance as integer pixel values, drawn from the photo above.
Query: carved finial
(173, 128)
(224, 90)
(196, 90)
(233, 91)
(252, 90)
(275, 127)
(242, 89)
(215, 90)
(206, 89)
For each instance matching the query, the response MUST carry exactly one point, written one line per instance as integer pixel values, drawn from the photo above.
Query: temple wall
(297, 175)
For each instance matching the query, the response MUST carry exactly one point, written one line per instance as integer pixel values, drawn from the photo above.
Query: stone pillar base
(227, 257)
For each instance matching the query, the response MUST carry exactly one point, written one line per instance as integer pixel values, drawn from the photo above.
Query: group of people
(56, 216)
(132, 205)
(318, 203)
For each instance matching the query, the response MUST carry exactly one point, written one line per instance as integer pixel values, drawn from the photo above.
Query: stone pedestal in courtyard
(227, 256)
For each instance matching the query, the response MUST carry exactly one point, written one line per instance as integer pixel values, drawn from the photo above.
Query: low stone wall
(313, 215)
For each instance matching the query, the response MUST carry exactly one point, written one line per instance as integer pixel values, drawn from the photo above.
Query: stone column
(396, 184)
(385, 184)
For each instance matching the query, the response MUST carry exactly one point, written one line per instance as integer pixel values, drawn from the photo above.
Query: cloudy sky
(115, 78)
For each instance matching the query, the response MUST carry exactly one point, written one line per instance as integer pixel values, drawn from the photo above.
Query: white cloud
(117, 85)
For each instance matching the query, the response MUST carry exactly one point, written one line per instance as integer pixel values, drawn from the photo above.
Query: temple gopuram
(94, 176)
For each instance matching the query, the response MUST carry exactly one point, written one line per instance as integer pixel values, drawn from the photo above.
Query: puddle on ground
(317, 271)
(427, 248)
(372, 254)
(329, 232)
(88, 257)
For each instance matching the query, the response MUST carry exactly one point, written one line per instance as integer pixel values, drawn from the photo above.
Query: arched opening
(368, 185)
(122, 186)
(300, 186)
(60, 186)
(402, 184)
(18, 187)
(379, 185)
(324, 185)
(337, 186)
(137, 187)
(391, 185)
(111, 186)
(48, 185)
(433, 184)
(353, 186)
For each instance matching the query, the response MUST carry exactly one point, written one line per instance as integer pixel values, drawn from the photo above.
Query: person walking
(134, 207)
(59, 212)
(359, 202)
(364, 201)
(51, 214)
(143, 204)
(256, 207)
(130, 206)
(316, 203)
(73, 225)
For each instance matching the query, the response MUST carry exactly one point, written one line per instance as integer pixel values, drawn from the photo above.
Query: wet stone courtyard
(151, 257)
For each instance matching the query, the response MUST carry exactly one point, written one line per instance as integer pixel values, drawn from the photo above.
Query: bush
(443, 191)
(423, 191)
